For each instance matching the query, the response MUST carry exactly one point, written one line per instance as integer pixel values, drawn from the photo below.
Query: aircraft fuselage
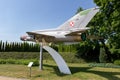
(59, 36)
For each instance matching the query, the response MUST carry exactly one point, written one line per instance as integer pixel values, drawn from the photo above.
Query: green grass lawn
(51, 72)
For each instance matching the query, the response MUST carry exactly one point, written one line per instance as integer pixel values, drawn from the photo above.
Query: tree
(106, 25)
(79, 9)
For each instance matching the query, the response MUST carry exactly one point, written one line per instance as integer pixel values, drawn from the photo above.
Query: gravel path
(10, 78)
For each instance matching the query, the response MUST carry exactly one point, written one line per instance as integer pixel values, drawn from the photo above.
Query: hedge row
(19, 61)
(107, 65)
(19, 55)
(68, 57)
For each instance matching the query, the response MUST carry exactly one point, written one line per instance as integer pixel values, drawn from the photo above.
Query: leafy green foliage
(88, 51)
(117, 62)
(106, 26)
(67, 48)
(102, 56)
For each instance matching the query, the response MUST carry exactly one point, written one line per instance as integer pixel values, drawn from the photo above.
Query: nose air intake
(27, 38)
(23, 38)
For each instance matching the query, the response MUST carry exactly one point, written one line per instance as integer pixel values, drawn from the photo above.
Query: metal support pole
(41, 57)
(30, 71)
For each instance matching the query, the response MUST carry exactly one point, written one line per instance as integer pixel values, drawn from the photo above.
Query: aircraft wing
(39, 34)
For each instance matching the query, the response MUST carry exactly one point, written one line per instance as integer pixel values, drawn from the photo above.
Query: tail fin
(80, 20)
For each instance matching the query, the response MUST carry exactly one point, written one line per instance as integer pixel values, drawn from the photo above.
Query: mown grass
(51, 72)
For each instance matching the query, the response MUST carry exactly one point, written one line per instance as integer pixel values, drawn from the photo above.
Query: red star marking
(71, 23)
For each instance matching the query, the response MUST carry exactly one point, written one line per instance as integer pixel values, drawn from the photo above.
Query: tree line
(82, 50)
(34, 47)
(31, 47)
(18, 47)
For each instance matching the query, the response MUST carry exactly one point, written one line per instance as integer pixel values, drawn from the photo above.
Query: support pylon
(41, 57)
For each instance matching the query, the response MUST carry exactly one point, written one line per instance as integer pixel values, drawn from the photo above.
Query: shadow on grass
(56, 70)
(105, 74)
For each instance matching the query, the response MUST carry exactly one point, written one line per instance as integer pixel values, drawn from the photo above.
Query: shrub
(2, 61)
(71, 58)
(102, 56)
(117, 62)
(107, 65)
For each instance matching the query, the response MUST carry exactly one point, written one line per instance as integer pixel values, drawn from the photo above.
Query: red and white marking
(71, 23)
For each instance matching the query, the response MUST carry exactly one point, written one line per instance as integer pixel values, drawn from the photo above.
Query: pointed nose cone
(27, 38)
(22, 38)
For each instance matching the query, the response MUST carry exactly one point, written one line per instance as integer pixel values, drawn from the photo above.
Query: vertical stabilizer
(80, 20)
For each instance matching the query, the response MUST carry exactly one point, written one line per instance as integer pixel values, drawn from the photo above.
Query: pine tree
(0, 45)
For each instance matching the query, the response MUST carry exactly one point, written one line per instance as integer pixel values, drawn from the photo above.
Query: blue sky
(19, 16)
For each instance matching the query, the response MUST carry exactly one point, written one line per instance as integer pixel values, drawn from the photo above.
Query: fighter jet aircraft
(73, 30)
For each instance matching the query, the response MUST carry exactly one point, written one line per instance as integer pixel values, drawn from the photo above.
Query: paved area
(10, 78)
